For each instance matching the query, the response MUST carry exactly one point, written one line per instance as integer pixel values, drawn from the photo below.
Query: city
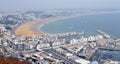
(61, 48)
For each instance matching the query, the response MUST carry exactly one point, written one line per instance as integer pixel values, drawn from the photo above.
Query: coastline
(30, 29)
(75, 15)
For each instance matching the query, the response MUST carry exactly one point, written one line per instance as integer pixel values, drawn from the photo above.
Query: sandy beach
(28, 29)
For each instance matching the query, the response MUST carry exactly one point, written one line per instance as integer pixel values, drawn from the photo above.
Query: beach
(28, 29)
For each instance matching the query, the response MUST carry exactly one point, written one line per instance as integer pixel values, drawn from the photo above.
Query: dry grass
(11, 60)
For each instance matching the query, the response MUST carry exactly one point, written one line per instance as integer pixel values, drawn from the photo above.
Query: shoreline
(76, 15)
(29, 29)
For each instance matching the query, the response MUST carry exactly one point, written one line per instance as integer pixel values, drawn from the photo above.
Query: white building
(60, 42)
(77, 59)
(82, 61)
(91, 38)
(43, 45)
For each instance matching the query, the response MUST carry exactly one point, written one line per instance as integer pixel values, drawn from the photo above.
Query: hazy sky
(52, 4)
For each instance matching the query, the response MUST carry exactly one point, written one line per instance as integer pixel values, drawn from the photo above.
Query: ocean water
(109, 23)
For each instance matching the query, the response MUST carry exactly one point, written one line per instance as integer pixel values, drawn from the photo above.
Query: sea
(107, 22)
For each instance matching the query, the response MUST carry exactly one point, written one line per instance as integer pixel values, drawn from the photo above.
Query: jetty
(103, 33)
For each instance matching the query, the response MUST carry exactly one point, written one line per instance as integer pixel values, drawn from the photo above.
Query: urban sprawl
(61, 48)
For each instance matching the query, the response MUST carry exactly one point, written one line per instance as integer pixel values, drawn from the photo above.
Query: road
(59, 56)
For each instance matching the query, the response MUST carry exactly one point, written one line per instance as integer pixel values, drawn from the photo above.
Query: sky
(58, 4)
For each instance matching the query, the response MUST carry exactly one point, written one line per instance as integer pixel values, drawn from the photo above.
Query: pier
(103, 33)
